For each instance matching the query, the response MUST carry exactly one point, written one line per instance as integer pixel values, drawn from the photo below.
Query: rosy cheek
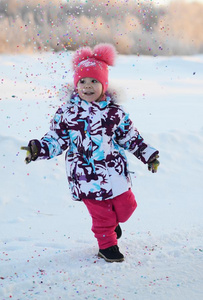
(80, 89)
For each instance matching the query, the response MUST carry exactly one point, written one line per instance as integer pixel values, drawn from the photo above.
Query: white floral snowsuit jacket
(95, 136)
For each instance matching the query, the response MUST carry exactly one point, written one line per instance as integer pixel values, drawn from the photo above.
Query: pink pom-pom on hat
(94, 63)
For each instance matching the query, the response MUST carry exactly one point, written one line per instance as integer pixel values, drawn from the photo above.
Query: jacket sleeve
(56, 140)
(128, 137)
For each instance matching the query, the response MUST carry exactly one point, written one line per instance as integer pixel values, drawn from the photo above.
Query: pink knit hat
(94, 63)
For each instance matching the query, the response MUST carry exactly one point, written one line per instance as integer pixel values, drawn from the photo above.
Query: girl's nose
(88, 85)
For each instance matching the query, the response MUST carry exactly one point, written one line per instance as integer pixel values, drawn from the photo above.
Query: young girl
(95, 131)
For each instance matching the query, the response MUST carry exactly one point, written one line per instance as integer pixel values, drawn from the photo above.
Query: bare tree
(134, 27)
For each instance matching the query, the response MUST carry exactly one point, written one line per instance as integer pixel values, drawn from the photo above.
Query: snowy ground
(47, 249)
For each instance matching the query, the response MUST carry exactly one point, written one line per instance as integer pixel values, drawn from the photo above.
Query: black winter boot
(111, 254)
(118, 231)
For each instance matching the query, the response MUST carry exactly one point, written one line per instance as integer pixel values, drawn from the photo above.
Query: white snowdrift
(47, 249)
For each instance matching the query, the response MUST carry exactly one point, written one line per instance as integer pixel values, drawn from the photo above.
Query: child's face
(89, 89)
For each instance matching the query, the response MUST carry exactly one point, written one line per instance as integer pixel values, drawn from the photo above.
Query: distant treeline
(134, 27)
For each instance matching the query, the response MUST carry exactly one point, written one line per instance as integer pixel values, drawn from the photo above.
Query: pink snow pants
(107, 214)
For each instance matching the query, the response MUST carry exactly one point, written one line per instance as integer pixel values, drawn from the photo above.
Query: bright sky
(156, 2)
(167, 1)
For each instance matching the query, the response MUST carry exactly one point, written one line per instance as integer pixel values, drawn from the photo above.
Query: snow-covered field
(47, 249)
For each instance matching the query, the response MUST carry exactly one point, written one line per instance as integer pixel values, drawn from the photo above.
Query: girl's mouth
(88, 93)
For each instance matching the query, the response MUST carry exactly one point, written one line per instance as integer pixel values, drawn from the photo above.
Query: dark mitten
(32, 151)
(153, 164)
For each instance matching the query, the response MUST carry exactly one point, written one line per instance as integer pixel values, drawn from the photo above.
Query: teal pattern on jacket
(95, 136)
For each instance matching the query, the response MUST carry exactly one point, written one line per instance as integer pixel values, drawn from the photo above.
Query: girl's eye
(94, 81)
(82, 81)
